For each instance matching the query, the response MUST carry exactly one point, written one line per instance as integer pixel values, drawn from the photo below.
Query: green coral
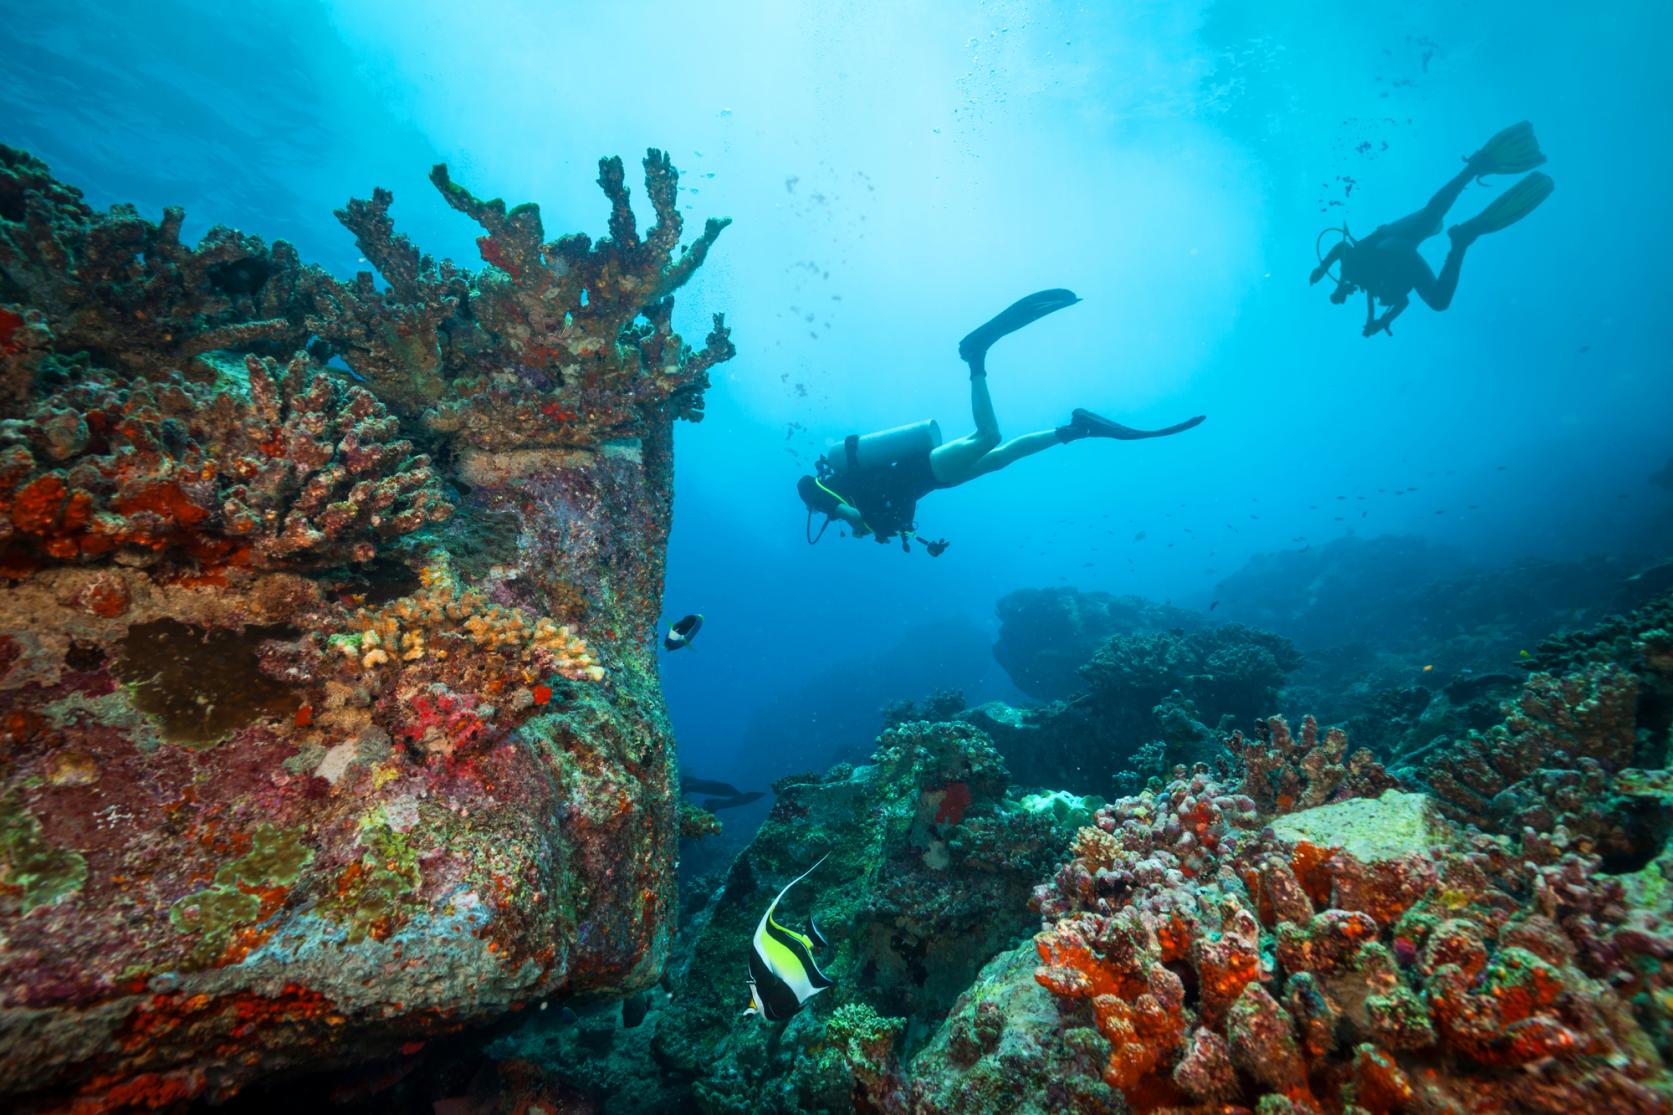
(41, 873)
(275, 859)
(1063, 807)
(374, 894)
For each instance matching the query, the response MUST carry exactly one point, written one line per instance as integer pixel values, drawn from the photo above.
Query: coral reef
(327, 729)
(1285, 932)
(929, 869)
(1284, 773)
(1142, 707)
(266, 468)
(1224, 966)
(1047, 634)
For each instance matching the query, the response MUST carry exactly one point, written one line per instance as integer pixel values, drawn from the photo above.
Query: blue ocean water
(899, 172)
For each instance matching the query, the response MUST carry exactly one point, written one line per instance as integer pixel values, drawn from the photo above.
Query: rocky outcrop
(1047, 634)
(328, 723)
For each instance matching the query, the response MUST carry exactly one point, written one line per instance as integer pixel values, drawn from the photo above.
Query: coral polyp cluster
(443, 620)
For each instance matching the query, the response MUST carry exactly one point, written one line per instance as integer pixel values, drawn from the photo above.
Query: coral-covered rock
(1323, 982)
(1047, 634)
(928, 874)
(1006, 1049)
(129, 292)
(1146, 704)
(269, 467)
(286, 786)
(1551, 760)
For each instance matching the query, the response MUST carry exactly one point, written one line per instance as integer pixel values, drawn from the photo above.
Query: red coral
(955, 800)
(439, 721)
(304, 470)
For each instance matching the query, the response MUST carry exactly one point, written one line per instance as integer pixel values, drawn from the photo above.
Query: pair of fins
(1024, 311)
(1515, 150)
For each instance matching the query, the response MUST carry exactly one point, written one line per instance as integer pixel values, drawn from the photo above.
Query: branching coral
(273, 468)
(1576, 722)
(587, 327)
(129, 291)
(395, 338)
(1283, 774)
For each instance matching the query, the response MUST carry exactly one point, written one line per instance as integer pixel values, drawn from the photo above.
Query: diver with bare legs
(1387, 266)
(874, 482)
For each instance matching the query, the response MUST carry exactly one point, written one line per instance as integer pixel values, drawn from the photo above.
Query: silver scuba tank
(860, 452)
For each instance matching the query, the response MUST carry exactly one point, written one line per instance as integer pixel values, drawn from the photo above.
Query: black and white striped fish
(783, 974)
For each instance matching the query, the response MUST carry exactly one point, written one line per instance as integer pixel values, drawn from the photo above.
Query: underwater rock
(1006, 1049)
(1047, 634)
(305, 761)
(1369, 829)
(1143, 703)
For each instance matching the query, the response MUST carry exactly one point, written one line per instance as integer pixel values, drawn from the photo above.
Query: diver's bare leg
(1015, 450)
(1438, 292)
(1426, 222)
(955, 462)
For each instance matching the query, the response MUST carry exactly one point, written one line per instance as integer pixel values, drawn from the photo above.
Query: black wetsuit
(886, 497)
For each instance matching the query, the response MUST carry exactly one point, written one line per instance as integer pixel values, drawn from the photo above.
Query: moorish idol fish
(782, 973)
(681, 633)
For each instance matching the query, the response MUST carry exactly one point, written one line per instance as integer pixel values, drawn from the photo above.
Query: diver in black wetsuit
(1386, 264)
(873, 483)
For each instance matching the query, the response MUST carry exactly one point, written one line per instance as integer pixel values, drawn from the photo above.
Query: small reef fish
(681, 633)
(783, 975)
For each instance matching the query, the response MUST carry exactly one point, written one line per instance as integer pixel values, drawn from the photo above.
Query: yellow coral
(1098, 848)
(439, 609)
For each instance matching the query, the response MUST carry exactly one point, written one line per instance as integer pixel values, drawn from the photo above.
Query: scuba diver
(874, 482)
(1386, 264)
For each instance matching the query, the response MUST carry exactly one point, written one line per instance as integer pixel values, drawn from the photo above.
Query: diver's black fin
(1022, 312)
(1083, 423)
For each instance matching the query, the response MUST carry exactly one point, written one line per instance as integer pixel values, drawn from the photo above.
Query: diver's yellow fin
(1512, 205)
(1512, 151)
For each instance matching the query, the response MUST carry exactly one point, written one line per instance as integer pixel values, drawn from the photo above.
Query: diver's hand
(1372, 328)
(1319, 272)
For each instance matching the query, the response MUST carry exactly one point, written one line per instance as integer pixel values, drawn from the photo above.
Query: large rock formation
(1047, 634)
(329, 722)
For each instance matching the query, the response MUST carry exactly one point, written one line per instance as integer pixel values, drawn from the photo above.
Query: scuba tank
(863, 452)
